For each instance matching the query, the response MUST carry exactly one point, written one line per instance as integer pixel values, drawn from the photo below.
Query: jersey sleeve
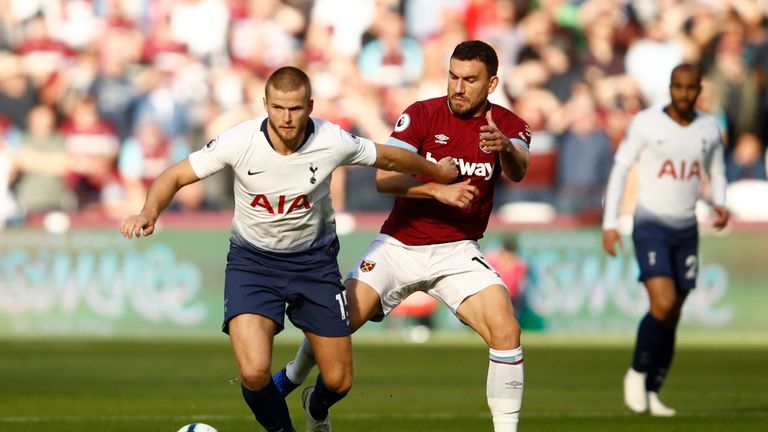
(220, 151)
(356, 150)
(715, 167)
(625, 157)
(517, 130)
(407, 131)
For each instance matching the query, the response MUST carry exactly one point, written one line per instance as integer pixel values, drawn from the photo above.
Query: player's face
(468, 87)
(288, 113)
(684, 89)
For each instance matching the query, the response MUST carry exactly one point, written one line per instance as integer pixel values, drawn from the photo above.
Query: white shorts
(450, 272)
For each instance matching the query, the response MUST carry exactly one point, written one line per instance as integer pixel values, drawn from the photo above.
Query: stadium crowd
(97, 97)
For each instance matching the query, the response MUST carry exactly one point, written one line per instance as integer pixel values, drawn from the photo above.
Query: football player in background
(428, 245)
(283, 247)
(674, 146)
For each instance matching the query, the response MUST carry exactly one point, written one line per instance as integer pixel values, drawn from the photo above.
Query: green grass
(161, 385)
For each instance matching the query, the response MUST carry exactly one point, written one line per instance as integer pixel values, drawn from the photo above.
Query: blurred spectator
(650, 60)
(17, 94)
(512, 269)
(747, 160)
(584, 160)
(142, 158)
(202, 26)
(392, 58)
(92, 145)
(42, 162)
(8, 207)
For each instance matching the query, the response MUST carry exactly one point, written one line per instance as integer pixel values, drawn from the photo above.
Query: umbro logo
(513, 385)
(255, 172)
(441, 139)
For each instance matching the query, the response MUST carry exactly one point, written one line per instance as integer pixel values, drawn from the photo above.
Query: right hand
(610, 238)
(457, 195)
(137, 225)
(446, 170)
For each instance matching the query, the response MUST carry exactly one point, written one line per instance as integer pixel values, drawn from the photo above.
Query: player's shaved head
(288, 79)
(478, 50)
(686, 68)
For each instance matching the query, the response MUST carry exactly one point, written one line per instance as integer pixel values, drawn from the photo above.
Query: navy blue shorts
(307, 282)
(666, 251)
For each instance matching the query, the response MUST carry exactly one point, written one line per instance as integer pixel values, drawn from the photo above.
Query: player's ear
(310, 106)
(493, 83)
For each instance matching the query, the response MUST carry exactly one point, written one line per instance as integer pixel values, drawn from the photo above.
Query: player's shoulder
(501, 113)
(651, 114)
(428, 107)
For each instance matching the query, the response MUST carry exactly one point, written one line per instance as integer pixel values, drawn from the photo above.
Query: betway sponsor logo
(484, 170)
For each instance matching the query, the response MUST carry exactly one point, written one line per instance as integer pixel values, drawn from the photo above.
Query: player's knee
(339, 381)
(505, 335)
(255, 379)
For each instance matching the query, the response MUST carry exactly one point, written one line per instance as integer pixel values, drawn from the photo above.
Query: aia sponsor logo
(279, 207)
(680, 170)
(366, 266)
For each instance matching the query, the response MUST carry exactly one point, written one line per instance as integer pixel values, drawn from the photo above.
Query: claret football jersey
(430, 128)
(283, 202)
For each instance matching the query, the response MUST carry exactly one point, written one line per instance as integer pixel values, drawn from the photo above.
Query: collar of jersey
(307, 132)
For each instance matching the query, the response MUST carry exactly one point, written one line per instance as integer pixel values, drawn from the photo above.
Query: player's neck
(683, 119)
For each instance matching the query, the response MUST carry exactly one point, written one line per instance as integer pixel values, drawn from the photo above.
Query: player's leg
(252, 336)
(363, 303)
(334, 359)
(490, 313)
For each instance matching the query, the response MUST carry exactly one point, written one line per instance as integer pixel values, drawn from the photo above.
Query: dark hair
(289, 78)
(477, 50)
(689, 67)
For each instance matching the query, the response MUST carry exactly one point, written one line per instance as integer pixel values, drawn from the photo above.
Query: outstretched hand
(446, 170)
(457, 195)
(137, 225)
(722, 217)
(610, 238)
(491, 138)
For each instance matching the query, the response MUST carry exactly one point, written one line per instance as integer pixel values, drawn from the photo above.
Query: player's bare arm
(460, 194)
(395, 159)
(610, 238)
(514, 158)
(159, 196)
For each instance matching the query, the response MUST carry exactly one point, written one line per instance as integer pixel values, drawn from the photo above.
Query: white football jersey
(672, 159)
(282, 203)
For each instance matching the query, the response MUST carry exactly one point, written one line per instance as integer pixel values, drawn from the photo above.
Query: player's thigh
(653, 252)
(393, 270)
(685, 260)
(459, 270)
(490, 313)
(363, 303)
(334, 360)
(252, 336)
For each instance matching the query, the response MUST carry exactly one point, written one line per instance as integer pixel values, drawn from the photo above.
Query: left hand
(722, 217)
(491, 138)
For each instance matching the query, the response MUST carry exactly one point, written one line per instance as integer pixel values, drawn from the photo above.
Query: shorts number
(692, 262)
(342, 299)
(482, 262)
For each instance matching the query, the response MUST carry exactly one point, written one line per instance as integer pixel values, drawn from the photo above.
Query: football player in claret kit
(428, 245)
(674, 147)
(283, 248)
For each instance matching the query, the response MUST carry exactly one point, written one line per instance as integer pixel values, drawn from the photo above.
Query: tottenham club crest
(402, 122)
(312, 168)
(366, 266)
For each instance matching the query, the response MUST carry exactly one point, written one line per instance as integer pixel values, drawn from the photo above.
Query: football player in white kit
(674, 146)
(283, 248)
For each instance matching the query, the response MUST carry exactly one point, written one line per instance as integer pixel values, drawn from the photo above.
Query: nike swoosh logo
(255, 172)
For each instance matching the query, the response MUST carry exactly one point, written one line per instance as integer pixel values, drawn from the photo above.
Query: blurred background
(97, 97)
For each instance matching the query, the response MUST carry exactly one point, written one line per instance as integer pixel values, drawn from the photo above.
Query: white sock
(504, 388)
(299, 368)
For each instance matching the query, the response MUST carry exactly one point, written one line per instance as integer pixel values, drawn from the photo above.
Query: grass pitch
(160, 386)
